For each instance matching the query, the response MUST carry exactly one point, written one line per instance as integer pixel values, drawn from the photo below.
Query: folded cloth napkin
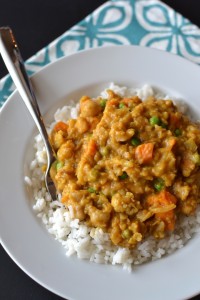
(148, 23)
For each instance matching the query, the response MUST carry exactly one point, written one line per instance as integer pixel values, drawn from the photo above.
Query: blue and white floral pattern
(102, 28)
(148, 23)
(168, 30)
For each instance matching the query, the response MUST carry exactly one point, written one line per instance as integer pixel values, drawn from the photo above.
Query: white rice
(90, 243)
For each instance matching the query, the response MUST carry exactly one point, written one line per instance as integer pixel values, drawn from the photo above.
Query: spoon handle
(15, 65)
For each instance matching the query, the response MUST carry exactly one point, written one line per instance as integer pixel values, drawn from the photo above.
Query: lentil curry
(127, 166)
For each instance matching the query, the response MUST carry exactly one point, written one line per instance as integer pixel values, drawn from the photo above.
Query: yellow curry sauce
(127, 166)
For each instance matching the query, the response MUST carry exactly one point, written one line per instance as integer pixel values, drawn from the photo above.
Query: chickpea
(99, 212)
(98, 218)
(65, 151)
(93, 174)
(90, 108)
(125, 204)
(188, 206)
(58, 138)
(71, 127)
(63, 175)
(82, 125)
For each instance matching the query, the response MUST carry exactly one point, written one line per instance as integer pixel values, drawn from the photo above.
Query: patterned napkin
(148, 23)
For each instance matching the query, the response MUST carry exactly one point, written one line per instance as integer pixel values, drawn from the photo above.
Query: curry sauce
(128, 166)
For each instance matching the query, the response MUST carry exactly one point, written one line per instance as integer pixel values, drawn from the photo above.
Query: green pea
(159, 184)
(59, 165)
(177, 132)
(121, 105)
(135, 141)
(123, 176)
(154, 120)
(126, 234)
(103, 103)
(91, 190)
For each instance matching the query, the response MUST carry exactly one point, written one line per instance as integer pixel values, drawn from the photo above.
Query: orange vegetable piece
(144, 153)
(92, 148)
(126, 100)
(135, 99)
(171, 143)
(113, 102)
(60, 126)
(168, 218)
(174, 120)
(161, 199)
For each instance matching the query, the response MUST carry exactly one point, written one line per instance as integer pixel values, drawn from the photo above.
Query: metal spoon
(15, 65)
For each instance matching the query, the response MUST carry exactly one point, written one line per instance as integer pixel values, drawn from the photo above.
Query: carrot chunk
(168, 218)
(60, 126)
(174, 120)
(144, 153)
(170, 143)
(92, 148)
(113, 102)
(162, 200)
